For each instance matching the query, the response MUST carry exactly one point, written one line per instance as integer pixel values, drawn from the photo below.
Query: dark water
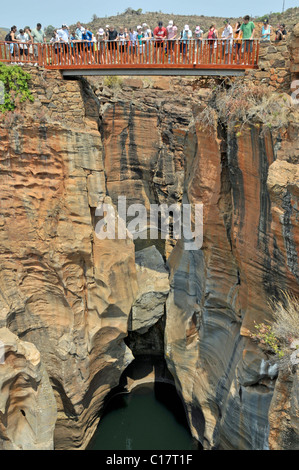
(151, 417)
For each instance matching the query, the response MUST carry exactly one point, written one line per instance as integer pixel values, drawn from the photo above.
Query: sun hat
(101, 31)
(144, 25)
(170, 23)
(197, 28)
(186, 27)
(139, 27)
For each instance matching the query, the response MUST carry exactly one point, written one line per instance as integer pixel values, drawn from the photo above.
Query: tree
(49, 30)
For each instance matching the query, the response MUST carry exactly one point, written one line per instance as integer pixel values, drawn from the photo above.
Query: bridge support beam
(153, 72)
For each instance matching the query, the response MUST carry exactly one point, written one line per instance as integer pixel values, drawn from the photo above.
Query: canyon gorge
(77, 311)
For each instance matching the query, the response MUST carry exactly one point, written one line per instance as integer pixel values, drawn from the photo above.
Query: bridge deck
(214, 57)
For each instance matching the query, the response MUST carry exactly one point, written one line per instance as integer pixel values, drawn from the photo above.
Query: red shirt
(161, 32)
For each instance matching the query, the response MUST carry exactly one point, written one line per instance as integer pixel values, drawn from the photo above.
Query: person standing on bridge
(227, 45)
(12, 40)
(238, 40)
(198, 35)
(101, 36)
(73, 46)
(30, 47)
(112, 43)
(23, 38)
(212, 41)
(148, 36)
(54, 41)
(160, 35)
(172, 32)
(63, 34)
(186, 37)
(78, 35)
(123, 43)
(132, 44)
(140, 40)
(38, 37)
(87, 38)
(79, 31)
(247, 28)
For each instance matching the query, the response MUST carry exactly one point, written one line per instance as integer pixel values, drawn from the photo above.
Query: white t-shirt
(63, 35)
(23, 38)
(146, 33)
(55, 39)
(122, 36)
(228, 32)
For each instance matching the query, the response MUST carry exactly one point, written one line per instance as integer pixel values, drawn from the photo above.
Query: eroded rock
(153, 288)
(27, 404)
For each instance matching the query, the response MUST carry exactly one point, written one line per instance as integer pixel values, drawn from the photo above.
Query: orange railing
(210, 54)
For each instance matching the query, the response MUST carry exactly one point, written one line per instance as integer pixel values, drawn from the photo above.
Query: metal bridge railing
(193, 53)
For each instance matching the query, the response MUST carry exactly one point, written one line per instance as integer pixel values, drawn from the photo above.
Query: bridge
(189, 57)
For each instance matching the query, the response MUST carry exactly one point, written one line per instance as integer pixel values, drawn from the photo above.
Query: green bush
(16, 89)
(267, 339)
(112, 81)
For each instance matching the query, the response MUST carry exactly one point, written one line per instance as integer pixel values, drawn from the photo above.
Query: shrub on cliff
(241, 104)
(14, 87)
(286, 313)
(112, 81)
(281, 339)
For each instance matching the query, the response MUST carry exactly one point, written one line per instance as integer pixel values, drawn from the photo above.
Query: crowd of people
(25, 41)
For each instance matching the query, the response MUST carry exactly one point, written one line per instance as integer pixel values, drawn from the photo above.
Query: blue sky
(56, 12)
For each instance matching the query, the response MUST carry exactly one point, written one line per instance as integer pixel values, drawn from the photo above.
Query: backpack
(8, 37)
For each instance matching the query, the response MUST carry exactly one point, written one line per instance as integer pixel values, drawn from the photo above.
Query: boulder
(153, 288)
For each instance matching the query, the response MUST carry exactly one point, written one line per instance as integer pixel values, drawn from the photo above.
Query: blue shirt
(186, 35)
(87, 36)
(72, 38)
(266, 32)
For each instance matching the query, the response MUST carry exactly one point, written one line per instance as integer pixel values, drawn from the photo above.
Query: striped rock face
(76, 298)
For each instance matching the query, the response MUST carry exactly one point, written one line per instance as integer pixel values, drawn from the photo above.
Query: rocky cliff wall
(63, 290)
(71, 295)
(224, 288)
